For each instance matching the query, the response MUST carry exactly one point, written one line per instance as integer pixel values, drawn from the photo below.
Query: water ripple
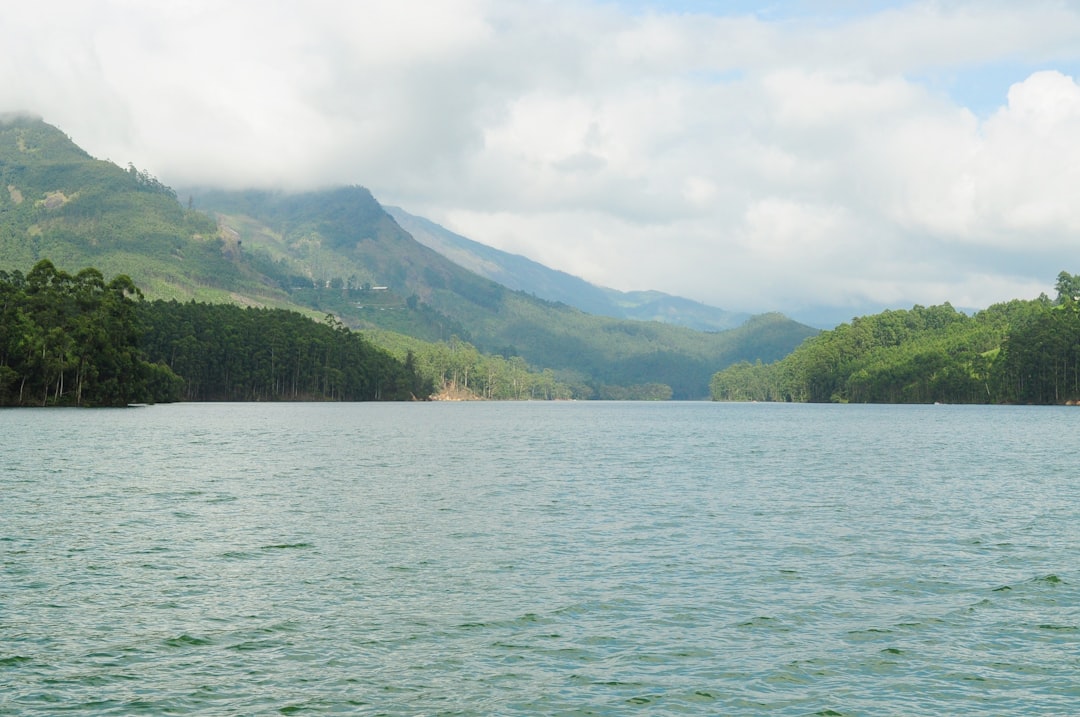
(523, 559)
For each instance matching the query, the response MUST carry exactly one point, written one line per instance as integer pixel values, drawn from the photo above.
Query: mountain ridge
(523, 274)
(334, 251)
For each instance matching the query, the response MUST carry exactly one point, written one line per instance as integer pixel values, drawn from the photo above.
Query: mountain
(523, 274)
(58, 203)
(357, 262)
(333, 251)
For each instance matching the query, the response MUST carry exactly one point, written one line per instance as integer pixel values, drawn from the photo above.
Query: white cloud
(1030, 165)
(752, 163)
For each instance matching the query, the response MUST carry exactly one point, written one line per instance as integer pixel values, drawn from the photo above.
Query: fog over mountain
(820, 159)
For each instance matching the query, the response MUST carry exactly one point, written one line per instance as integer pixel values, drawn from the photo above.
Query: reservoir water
(540, 559)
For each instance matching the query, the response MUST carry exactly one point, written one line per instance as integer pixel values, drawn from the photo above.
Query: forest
(458, 369)
(73, 340)
(225, 352)
(77, 340)
(1025, 352)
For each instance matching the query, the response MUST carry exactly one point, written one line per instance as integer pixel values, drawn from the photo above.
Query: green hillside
(329, 252)
(1013, 352)
(58, 203)
(356, 261)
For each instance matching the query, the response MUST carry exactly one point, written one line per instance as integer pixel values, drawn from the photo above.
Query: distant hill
(334, 251)
(1019, 352)
(523, 274)
(363, 266)
(58, 203)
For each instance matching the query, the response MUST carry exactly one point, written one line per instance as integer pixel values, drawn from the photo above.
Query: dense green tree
(1068, 287)
(1039, 360)
(81, 340)
(73, 340)
(1018, 351)
(228, 353)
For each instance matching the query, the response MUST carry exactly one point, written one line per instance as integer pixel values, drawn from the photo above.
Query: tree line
(457, 368)
(1013, 352)
(225, 352)
(80, 340)
(73, 340)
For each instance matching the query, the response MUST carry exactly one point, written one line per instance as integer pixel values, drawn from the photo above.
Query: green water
(540, 558)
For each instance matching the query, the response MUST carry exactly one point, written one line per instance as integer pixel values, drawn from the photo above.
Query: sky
(824, 159)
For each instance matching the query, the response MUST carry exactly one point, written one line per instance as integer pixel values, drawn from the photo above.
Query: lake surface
(540, 559)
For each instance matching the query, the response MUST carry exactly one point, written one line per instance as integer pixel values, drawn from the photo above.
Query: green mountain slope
(58, 203)
(1020, 351)
(334, 251)
(349, 246)
(523, 274)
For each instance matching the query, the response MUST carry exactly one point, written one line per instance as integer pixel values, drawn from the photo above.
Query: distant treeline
(77, 340)
(228, 353)
(81, 341)
(458, 369)
(1015, 352)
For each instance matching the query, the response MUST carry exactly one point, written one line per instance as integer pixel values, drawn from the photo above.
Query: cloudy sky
(824, 159)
